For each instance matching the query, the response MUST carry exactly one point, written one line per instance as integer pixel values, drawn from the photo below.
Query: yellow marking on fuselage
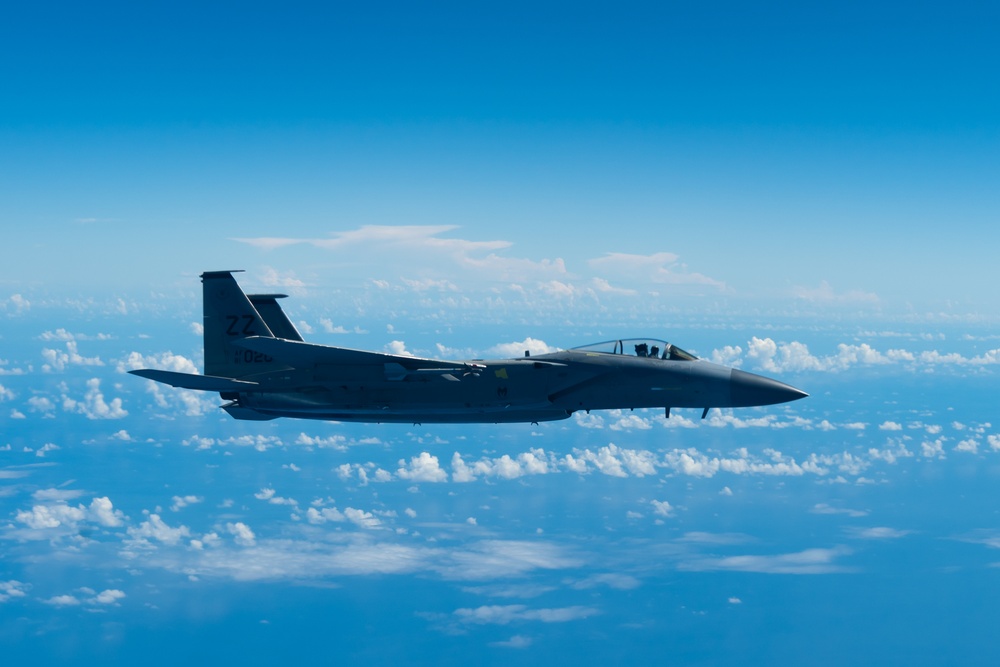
(502, 373)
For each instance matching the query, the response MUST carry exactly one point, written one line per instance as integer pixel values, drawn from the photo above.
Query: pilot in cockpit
(641, 350)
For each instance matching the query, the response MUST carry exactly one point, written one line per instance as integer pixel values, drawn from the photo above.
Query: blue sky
(803, 191)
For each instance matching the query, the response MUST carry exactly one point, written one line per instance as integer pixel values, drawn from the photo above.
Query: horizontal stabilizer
(192, 381)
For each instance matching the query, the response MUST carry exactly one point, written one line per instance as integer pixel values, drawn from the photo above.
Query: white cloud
(662, 508)
(61, 515)
(19, 303)
(167, 361)
(155, 528)
(933, 448)
(506, 614)
(93, 405)
(517, 349)
(824, 508)
(108, 597)
(46, 448)
(12, 589)
(661, 267)
(422, 468)
(57, 360)
(809, 561)
(268, 494)
(180, 502)
(969, 445)
(272, 278)
(825, 294)
(41, 404)
(242, 534)
(879, 533)
(398, 348)
(62, 601)
(381, 244)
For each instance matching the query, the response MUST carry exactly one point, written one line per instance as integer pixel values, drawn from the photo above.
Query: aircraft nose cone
(747, 389)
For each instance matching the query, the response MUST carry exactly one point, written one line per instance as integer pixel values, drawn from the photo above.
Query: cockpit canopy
(640, 347)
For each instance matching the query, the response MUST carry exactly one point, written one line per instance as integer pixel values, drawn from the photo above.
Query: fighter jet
(260, 365)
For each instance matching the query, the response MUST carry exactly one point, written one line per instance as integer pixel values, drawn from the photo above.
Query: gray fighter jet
(263, 369)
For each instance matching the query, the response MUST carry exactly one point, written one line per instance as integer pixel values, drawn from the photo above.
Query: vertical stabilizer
(229, 317)
(274, 316)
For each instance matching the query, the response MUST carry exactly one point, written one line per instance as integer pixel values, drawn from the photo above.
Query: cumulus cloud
(422, 468)
(93, 405)
(60, 515)
(108, 597)
(242, 534)
(517, 349)
(273, 278)
(57, 360)
(167, 361)
(662, 508)
(768, 355)
(180, 502)
(12, 589)
(533, 462)
(154, 528)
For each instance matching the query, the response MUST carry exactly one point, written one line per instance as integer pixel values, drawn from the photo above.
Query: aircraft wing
(192, 381)
(299, 355)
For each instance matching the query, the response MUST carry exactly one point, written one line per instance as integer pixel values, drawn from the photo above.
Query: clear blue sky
(805, 190)
(772, 149)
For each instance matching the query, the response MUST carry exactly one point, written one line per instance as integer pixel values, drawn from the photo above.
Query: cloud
(167, 361)
(661, 268)
(18, 303)
(268, 494)
(374, 243)
(12, 589)
(825, 294)
(662, 508)
(60, 515)
(533, 462)
(795, 356)
(180, 502)
(155, 528)
(513, 613)
(517, 641)
(878, 533)
(823, 508)
(62, 601)
(272, 278)
(58, 361)
(108, 597)
(93, 405)
(809, 561)
(517, 349)
(242, 534)
(422, 468)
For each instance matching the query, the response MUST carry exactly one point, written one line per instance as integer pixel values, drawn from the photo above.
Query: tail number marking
(251, 357)
(233, 327)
